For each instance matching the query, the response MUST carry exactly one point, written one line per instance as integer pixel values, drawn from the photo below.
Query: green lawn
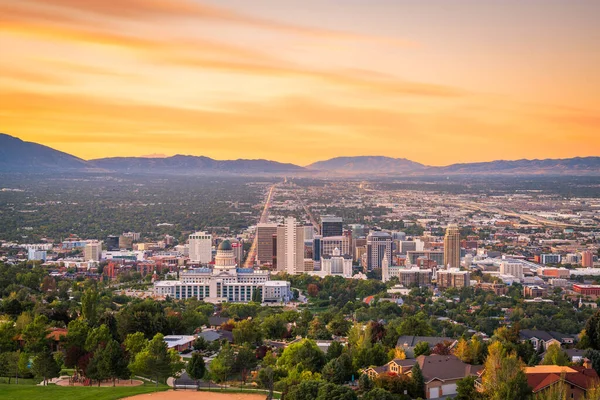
(22, 381)
(19, 392)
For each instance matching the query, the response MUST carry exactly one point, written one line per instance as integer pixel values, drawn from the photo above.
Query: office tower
(453, 277)
(238, 251)
(274, 247)
(412, 257)
(379, 244)
(331, 226)
(92, 251)
(201, 247)
(587, 259)
(385, 269)
(317, 247)
(36, 255)
(405, 246)
(328, 244)
(290, 247)
(125, 242)
(358, 230)
(512, 268)
(264, 243)
(309, 232)
(112, 243)
(398, 236)
(452, 247)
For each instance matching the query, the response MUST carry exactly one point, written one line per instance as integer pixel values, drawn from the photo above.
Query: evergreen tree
(156, 360)
(196, 368)
(417, 382)
(45, 366)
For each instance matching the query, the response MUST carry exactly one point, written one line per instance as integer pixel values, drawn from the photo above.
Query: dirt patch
(186, 394)
(119, 383)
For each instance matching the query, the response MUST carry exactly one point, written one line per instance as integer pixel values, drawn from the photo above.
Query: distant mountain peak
(367, 164)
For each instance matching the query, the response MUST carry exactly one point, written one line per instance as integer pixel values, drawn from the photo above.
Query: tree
(422, 348)
(97, 337)
(196, 368)
(89, 306)
(34, 335)
(45, 366)
(110, 362)
(245, 360)
(465, 389)
(303, 354)
(338, 370)
(9, 365)
(442, 348)
(365, 384)
(503, 376)
(134, 343)
(247, 331)
(330, 391)
(156, 360)
(7, 336)
(415, 325)
(219, 371)
(274, 327)
(462, 351)
(555, 355)
(307, 390)
(417, 381)
(379, 394)
(334, 350)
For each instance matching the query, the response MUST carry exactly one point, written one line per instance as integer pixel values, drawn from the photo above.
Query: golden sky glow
(438, 82)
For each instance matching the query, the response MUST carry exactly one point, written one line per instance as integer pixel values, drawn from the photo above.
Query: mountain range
(17, 155)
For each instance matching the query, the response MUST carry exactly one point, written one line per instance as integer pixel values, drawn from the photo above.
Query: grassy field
(22, 381)
(19, 392)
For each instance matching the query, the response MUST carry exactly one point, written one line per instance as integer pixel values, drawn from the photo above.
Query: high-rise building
(317, 247)
(238, 251)
(125, 242)
(112, 243)
(453, 277)
(385, 269)
(550, 258)
(512, 268)
(290, 247)
(329, 243)
(92, 251)
(36, 255)
(331, 226)
(379, 244)
(201, 247)
(452, 247)
(309, 232)
(264, 243)
(587, 259)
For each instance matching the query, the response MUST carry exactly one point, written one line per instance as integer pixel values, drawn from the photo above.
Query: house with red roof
(577, 380)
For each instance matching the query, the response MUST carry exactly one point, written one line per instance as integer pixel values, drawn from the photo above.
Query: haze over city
(301, 81)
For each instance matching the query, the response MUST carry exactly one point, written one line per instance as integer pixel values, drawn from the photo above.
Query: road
(264, 217)
(311, 217)
(526, 217)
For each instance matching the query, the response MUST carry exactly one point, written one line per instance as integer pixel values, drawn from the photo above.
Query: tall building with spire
(385, 269)
(452, 247)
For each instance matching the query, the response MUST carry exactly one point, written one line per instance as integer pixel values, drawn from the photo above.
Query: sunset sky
(437, 82)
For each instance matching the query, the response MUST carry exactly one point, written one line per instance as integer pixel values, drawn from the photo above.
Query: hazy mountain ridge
(21, 156)
(17, 155)
(192, 164)
(367, 164)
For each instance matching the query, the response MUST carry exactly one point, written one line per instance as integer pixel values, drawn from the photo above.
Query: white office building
(200, 247)
(290, 247)
(336, 264)
(512, 268)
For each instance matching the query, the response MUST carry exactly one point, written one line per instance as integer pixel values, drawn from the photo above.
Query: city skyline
(303, 81)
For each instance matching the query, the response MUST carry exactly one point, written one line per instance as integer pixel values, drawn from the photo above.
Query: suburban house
(543, 339)
(180, 342)
(441, 373)
(55, 337)
(577, 379)
(396, 366)
(408, 343)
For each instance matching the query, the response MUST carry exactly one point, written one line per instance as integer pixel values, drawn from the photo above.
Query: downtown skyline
(305, 81)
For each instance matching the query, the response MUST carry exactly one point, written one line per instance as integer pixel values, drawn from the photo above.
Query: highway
(311, 217)
(526, 217)
(264, 217)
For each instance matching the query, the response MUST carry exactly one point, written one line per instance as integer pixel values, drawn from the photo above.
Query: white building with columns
(223, 283)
